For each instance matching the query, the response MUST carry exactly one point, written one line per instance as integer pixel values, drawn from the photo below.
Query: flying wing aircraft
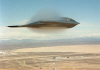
(62, 22)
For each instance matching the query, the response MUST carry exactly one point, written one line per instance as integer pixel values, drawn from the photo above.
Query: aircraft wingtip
(12, 26)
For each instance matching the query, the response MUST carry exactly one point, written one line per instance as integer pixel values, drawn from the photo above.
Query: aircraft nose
(78, 23)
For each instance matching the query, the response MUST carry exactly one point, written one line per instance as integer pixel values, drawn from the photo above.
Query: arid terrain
(51, 58)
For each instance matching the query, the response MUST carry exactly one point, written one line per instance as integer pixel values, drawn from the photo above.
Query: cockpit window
(68, 19)
(72, 20)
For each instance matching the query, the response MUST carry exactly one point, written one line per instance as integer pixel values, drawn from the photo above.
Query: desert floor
(76, 57)
(70, 48)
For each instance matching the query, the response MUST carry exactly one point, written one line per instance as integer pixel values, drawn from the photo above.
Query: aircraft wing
(13, 26)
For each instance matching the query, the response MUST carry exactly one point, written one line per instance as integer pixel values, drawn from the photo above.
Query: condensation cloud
(47, 13)
(44, 14)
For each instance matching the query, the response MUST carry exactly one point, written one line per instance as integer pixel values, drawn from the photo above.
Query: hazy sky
(15, 12)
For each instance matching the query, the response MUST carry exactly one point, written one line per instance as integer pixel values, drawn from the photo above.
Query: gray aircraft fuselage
(52, 23)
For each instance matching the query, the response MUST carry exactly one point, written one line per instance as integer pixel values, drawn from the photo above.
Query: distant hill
(29, 43)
